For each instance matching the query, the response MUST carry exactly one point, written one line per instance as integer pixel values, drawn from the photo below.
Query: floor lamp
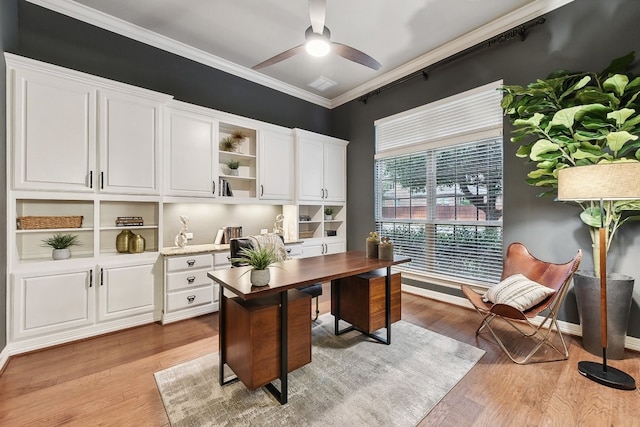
(611, 182)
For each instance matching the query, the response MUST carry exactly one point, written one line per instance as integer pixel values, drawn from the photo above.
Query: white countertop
(197, 249)
(193, 249)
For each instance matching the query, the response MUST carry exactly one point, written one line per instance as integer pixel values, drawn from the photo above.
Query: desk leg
(221, 335)
(387, 304)
(281, 395)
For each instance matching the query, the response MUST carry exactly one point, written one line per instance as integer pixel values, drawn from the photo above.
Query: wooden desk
(291, 274)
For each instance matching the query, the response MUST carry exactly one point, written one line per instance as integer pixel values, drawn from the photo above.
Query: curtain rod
(519, 31)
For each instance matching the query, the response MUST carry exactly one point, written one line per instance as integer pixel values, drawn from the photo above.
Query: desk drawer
(192, 262)
(187, 279)
(189, 298)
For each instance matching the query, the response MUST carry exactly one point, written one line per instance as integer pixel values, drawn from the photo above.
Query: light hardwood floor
(109, 380)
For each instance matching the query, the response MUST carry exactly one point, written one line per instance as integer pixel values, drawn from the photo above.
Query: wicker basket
(306, 234)
(43, 222)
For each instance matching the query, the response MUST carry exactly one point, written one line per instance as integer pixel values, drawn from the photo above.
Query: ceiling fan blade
(355, 55)
(317, 13)
(280, 57)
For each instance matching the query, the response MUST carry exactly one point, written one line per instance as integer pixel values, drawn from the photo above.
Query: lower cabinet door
(125, 291)
(52, 302)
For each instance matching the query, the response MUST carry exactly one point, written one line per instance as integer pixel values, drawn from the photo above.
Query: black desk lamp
(610, 182)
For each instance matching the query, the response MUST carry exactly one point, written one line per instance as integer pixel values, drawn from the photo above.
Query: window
(439, 185)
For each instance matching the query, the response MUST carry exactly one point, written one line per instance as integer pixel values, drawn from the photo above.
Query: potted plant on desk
(259, 259)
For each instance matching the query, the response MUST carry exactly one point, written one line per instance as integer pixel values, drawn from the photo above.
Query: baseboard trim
(4, 358)
(631, 343)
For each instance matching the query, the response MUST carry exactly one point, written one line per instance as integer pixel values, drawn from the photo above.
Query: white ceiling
(234, 35)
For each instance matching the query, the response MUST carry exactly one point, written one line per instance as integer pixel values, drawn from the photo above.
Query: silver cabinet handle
(191, 298)
(191, 279)
(90, 278)
(101, 277)
(90, 179)
(213, 191)
(191, 262)
(261, 190)
(102, 180)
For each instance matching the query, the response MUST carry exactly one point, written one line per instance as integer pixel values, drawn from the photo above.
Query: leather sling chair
(515, 306)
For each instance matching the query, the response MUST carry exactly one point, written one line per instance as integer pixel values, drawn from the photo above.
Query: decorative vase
(122, 241)
(385, 251)
(372, 248)
(619, 297)
(233, 172)
(260, 277)
(328, 217)
(61, 253)
(137, 244)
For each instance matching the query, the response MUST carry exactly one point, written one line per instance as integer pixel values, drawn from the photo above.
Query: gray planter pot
(260, 277)
(619, 297)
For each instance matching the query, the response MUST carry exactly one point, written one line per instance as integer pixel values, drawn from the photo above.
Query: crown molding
(91, 16)
(102, 20)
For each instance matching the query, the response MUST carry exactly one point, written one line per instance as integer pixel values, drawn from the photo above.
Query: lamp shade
(605, 181)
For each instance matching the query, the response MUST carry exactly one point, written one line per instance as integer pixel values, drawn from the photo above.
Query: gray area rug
(351, 381)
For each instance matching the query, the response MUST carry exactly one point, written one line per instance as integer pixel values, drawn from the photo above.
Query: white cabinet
(125, 291)
(53, 122)
(315, 247)
(191, 151)
(129, 143)
(48, 302)
(188, 291)
(276, 165)
(100, 135)
(321, 163)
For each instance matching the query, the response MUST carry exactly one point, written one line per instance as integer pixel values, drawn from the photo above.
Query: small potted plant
(259, 259)
(328, 213)
(60, 244)
(233, 166)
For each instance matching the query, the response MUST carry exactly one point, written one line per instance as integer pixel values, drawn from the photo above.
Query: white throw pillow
(517, 291)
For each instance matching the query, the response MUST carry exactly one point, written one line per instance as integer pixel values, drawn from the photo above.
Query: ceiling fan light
(317, 46)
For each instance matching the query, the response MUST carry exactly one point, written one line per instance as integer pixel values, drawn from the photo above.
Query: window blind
(439, 194)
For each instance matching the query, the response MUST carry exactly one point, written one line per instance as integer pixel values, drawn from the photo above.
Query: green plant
(259, 258)
(328, 211)
(233, 164)
(575, 119)
(61, 241)
(229, 143)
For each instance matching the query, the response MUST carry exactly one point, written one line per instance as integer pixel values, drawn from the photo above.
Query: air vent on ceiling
(322, 83)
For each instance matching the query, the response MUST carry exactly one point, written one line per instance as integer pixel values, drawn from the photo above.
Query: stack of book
(129, 221)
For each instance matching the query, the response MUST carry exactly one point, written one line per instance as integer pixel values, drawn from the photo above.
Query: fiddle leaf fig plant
(575, 119)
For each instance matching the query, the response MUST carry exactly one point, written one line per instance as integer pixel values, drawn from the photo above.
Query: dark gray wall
(583, 35)
(8, 40)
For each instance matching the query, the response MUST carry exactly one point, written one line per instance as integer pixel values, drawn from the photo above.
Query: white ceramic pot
(233, 172)
(260, 277)
(61, 253)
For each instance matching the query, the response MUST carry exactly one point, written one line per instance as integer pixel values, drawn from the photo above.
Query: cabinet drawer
(221, 260)
(294, 250)
(187, 279)
(189, 262)
(189, 298)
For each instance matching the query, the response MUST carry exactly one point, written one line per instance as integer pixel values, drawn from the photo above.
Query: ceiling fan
(318, 42)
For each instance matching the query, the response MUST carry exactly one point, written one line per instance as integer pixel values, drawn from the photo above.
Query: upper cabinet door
(321, 167)
(53, 132)
(129, 146)
(310, 168)
(276, 165)
(335, 172)
(191, 153)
